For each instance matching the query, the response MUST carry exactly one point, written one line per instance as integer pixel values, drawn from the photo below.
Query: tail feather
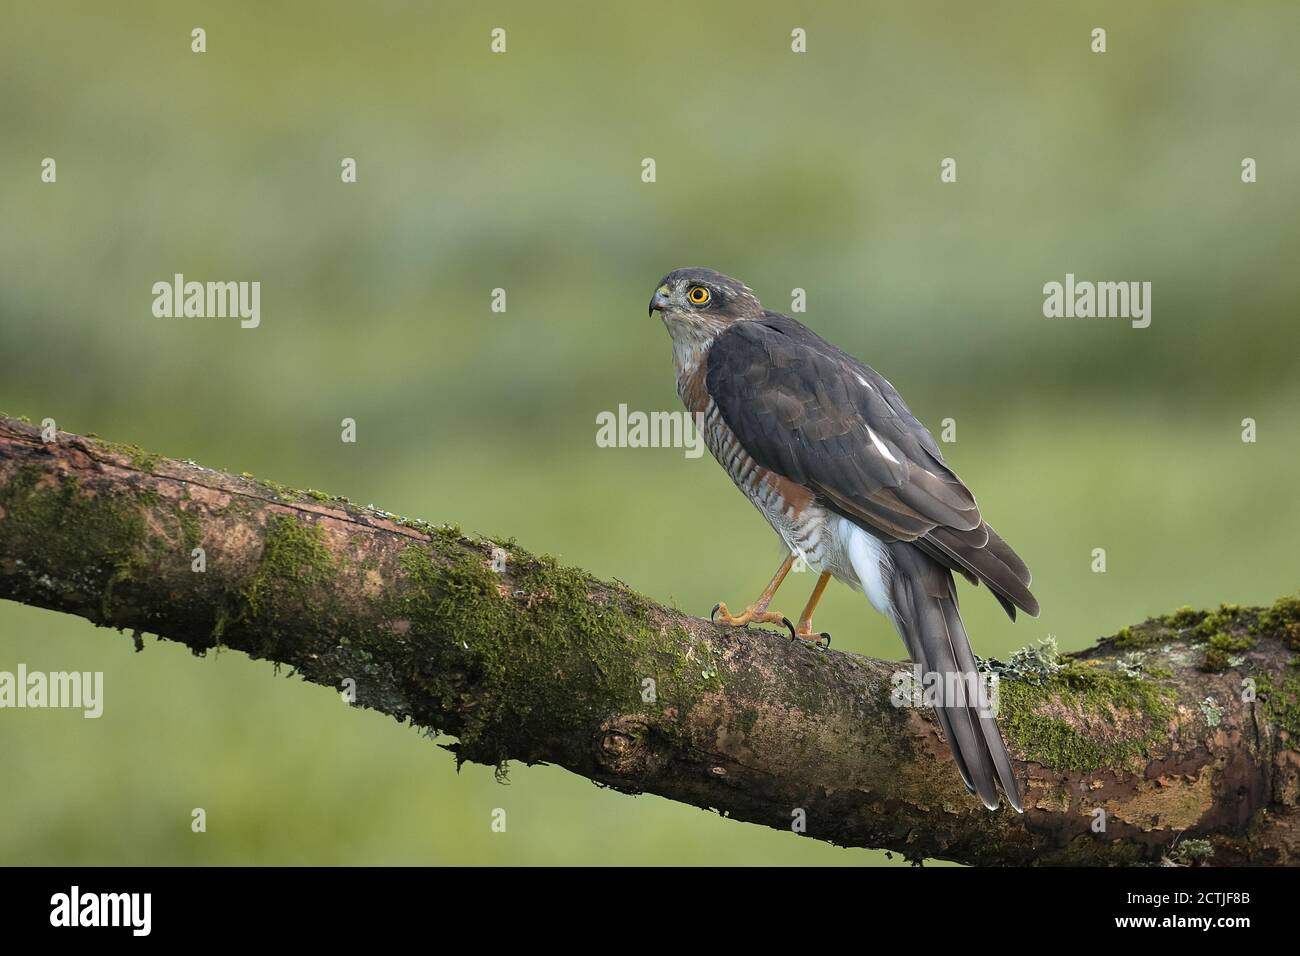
(988, 725)
(925, 612)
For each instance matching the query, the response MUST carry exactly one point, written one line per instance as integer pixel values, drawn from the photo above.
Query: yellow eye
(698, 295)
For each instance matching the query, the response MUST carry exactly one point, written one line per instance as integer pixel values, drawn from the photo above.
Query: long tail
(925, 612)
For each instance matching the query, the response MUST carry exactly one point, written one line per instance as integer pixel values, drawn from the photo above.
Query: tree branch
(523, 659)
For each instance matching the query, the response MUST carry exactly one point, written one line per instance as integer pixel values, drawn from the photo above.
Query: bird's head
(697, 301)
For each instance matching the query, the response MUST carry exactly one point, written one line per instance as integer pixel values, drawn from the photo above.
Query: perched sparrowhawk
(839, 466)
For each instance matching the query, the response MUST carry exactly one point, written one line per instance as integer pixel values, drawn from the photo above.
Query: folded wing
(808, 411)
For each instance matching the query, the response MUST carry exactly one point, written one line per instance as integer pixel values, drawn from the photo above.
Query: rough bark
(1153, 731)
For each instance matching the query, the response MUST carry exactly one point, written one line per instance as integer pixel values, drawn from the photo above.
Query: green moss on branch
(1085, 716)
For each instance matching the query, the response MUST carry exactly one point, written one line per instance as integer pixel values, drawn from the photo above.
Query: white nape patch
(881, 446)
(868, 557)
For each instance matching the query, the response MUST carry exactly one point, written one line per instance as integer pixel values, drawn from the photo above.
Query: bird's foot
(805, 633)
(751, 615)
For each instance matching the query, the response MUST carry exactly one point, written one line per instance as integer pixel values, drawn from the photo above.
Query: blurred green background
(522, 171)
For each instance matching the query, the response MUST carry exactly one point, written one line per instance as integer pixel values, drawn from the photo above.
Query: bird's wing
(808, 411)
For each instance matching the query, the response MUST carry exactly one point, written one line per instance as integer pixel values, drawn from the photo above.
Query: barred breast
(806, 527)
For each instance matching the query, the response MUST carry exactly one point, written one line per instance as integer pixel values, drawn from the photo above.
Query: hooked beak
(659, 301)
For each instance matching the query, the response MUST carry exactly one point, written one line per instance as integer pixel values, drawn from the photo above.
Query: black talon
(713, 613)
(786, 622)
(814, 641)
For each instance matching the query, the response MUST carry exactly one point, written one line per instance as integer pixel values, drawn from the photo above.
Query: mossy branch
(1154, 733)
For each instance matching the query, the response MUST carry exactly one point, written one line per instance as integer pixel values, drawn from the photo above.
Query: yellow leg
(757, 613)
(804, 630)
